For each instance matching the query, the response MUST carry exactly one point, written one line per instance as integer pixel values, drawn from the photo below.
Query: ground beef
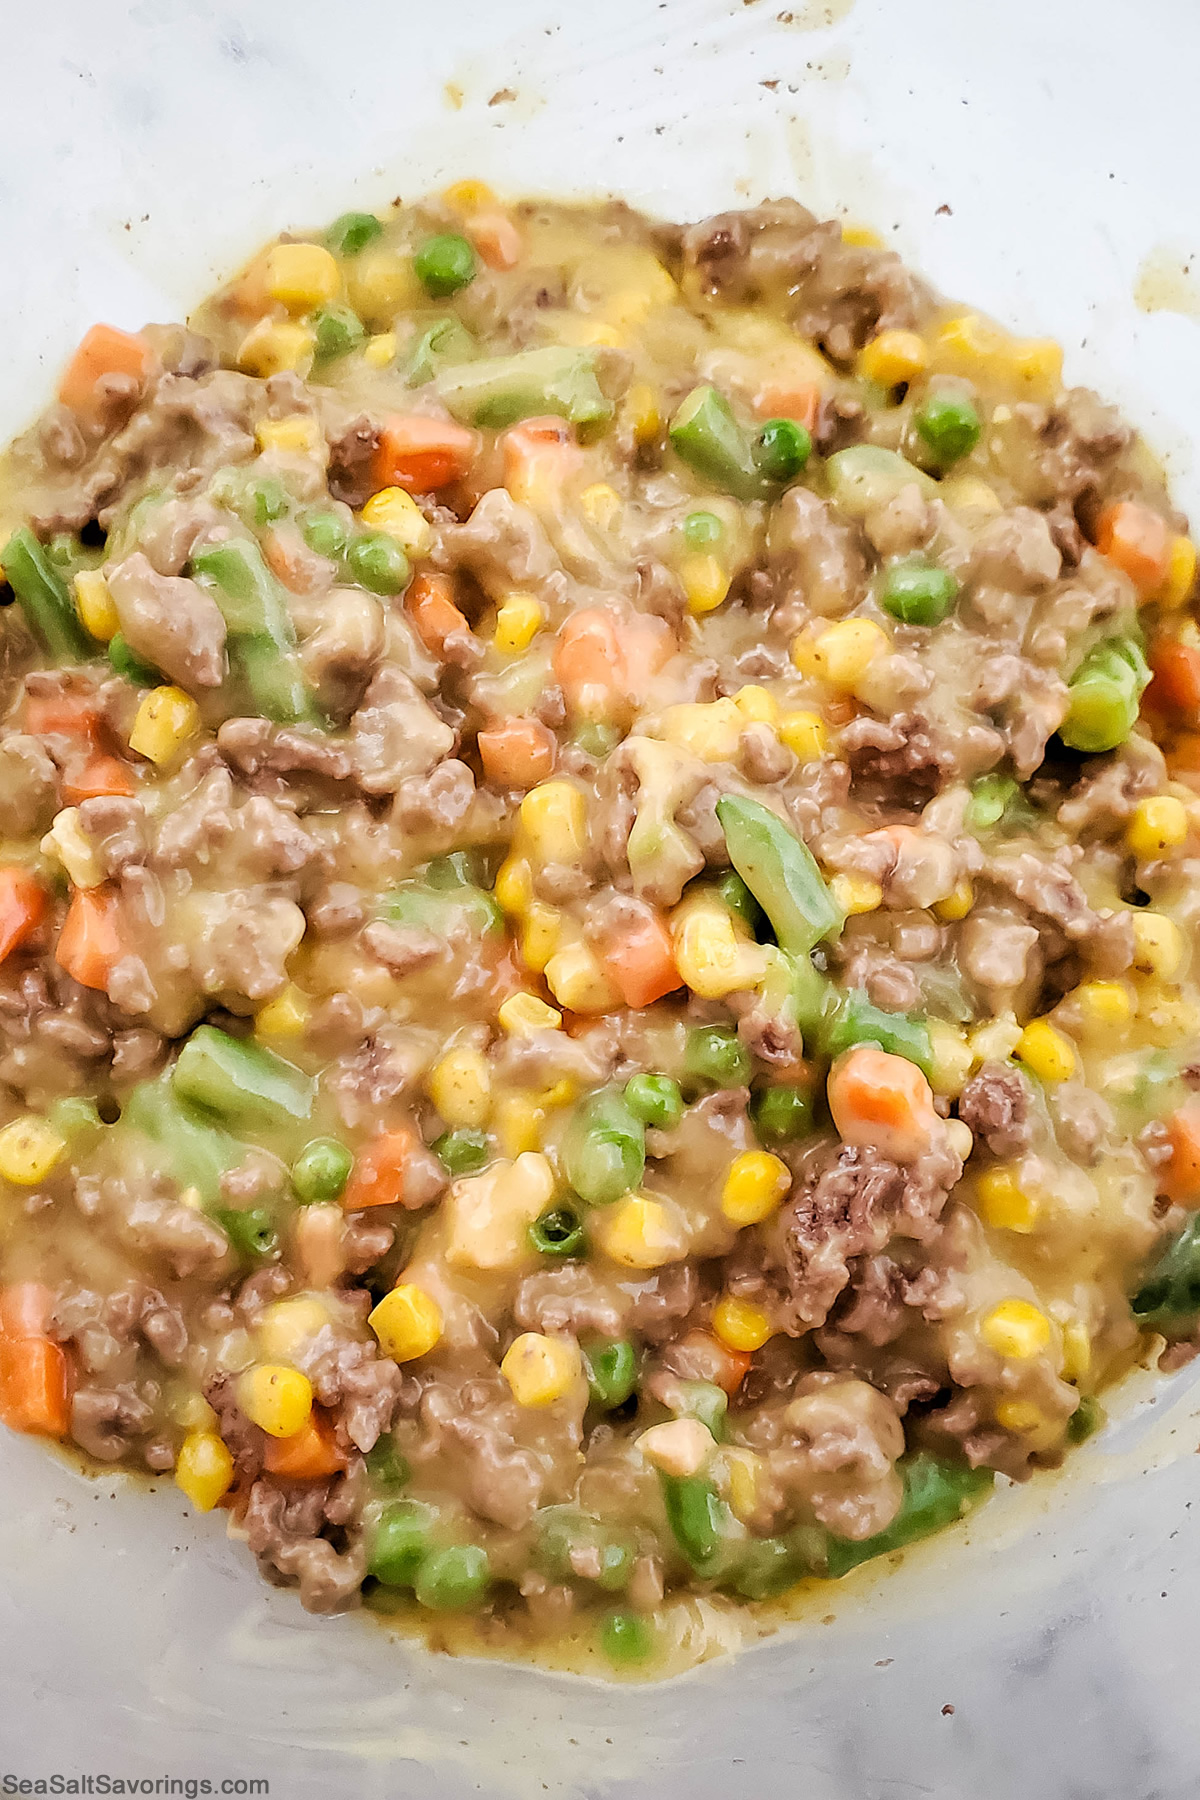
(913, 757)
(351, 458)
(104, 1420)
(280, 1530)
(173, 623)
(995, 1104)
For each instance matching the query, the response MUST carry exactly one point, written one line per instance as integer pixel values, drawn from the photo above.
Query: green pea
(626, 1637)
(740, 900)
(325, 533)
(400, 1543)
(1086, 1419)
(716, 1055)
(462, 1151)
(917, 592)
(378, 563)
(616, 1566)
(386, 1466)
(948, 425)
(701, 530)
(266, 500)
(337, 330)
(612, 1370)
(783, 448)
(444, 264)
(251, 1233)
(604, 1149)
(321, 1171)
(452, 1579)
(352, 233)
(595, 738)
(994, 800)
(557, 1233)
(655, 1100)
(781, 1114)
(126, 662)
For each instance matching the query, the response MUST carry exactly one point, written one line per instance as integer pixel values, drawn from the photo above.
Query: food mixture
(598, 900)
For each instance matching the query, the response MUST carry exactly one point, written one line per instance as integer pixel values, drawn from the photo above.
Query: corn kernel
(960, 1139)
(381, 283)
(678, 1447)
(952, 1059)
(1016, 1328)
(711, 729)
(407, 1322)
(541, 936)
(276, 1398)
(705, 582)
(641, 405)
(601, 504)
(1020, 1416)
(968, 493)
(380, 350)
(393, 511)
(970, 345)
(460, 1087)
(1158, 946)
(585, 332)
(1181, 573)
(1046, 1052)
(804, 734)
(514, 884)
(1103, 1005)
(755, 1184)
(856, 893)
(94, 604)
(757, 706)
(1158, 824)
(957, 903)
(276, 345)
(302, 275)
(712, 955)
(577, 981)
(299, 435)
(1004, 1203)
(806, 657)
(69, 843)
(559, 1093)
(285, 1016)
(523, 1014)
(468, 196)
(1077, 1350)
(518, 1124)
(540, 1370)
(846, 650)
(861, 237)
(204, 1469)
(555, 821)
(995, 1041)
(739, 1325)
(30, 1148)
(287, 1324)
(893, 357)
(744, 1471)
(1036, 364)
(640, 1233)
(518, 622)
(165, 721)
(192, 1411)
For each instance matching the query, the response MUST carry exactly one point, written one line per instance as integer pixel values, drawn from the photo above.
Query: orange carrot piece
(1176, 684)
(89, 943)
(25, 1310)
(539, 454)
(588, 662)
(288, 558)
(496, 238)
(62, 715)
(419, 453)
(882, 1101)
(781, 400)
(101, 774)
(103, 351)
(1179, 1176)
(35, 1386)
(639, 963)
(23, 904)
(310, 1455)
(517, 752)
(1137, 540)
(429, 603)
(377, 1178)
(702, 1357)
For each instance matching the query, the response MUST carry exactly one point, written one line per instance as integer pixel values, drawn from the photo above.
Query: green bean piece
(626, 1637)
(337, 331)
(352, 233)
(867, 476)
(604, 1150)
(611, 1368)
(781, 872)
(44, 598)
(188, 1146)
(443, 910)
(446, 342)
(1169, 1297)
(453, 1579)
(705, 1401)
(740, 900)
(558, 1233)
(400, 1542)
(857, 1021)
(596, 737)
(75, 1117)
(321, 1171)
(325, 533)
(262, 639)
(565, 1531)
(378, 563)
(444, 264)
(462, 1151)
(936, 1494)
(387, 1466)
(1086, 1420)
(918, 592)
(267, 500)
(128, 663)
(781, 450)
(1105, 696)
(251, 1232)
(655, 1100)
(770, 1566)
(781, 1114)
(948, 424)
(708, 438)
(701, 1523)
(495, 391)
(701, 530)
(242, 1083)
(457, 869)
(716, 1055)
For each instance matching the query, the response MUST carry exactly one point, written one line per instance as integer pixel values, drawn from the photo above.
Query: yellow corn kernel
(302, 275)
(518, 1124)
(204, 1469)
(1103, 1006)
(970, 345)
(1158, 824)
(640, 1233)
(744, 1472)
(641, 406)
(967, 493)
(577, 981)
(1158, 946)
(165, 721)
(275, 345)
(1004, 1203)
(407, 1322)
(460, 1086)
(893, 357)
(286, 1324)
(1020, 1416)
(299, 434)
(960, 1139)
(804, 734)
(952, 1059)
(709, 729)
(585, 332)
(94, 604)
(540, 1370)
(755, 1184)
(805, 656)
(541, 936)
(705, 582)
(1016, 1328)
(739, 1325)
(713, 956)
(1046, 1052)
(559, 1093)
(958, 901)
(285, 1016)
(397, 513)
(1077, 1350)
(523, 1014)
(380, 350)
(846, 650)
(192, 1411)
(468, 196)
(861, 237)
(381, 283)
(1181, 573)
(30, 1148)
(995, 1041)
(601, 504)
(555, 821)
(514, 884)
(757, 706)
(518, 622)
(1035, 364)
(276, 1398)
(856, 893)
(69, 843)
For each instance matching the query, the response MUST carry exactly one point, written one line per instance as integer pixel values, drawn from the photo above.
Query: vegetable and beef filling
(597, 914)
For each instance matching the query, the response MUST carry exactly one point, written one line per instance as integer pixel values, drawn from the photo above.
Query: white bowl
(1030, 157)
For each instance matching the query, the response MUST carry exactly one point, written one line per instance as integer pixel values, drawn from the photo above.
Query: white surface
(150, 144)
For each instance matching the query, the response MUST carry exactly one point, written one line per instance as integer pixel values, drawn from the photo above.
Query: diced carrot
(1183, 754)
(23, 903)
(35, 1386)
(1179, 1176)
(310, 1455)
(539, 454)
(702, 1357)
(429, 603)
(1176, 684)
(101, 774)
(377, 1178)
(288, 558)
(588, 661)
(780, 400)
(89, 943)
(103, 351)
(25, 1309)
(882, 1101)
(639, 962)
(62, 715)
(419, 453)
(496, 238)
(1137, 540)
(517, 752)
